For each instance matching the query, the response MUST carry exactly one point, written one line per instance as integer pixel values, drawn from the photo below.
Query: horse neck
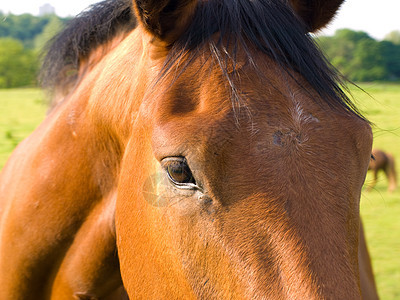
(111, 84)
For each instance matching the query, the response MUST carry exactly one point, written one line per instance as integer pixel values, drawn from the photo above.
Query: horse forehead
(263, 123)
(274, 110)
(205, 95)
(272, 123)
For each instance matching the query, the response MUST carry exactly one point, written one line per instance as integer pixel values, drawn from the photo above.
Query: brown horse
(385, 162)
(195, 149)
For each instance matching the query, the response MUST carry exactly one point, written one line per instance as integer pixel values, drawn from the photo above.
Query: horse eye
(179, 172)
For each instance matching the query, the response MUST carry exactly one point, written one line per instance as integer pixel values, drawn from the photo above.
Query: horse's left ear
(165, 19)
(315, 13)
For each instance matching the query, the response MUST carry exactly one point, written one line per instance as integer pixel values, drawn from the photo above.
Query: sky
(376, 17)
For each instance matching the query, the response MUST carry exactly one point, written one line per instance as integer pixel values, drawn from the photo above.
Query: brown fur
(383, 161)
(368, 285)
(276, 214)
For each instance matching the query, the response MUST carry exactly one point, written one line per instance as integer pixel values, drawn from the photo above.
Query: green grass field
(381, 210)
(21, 110)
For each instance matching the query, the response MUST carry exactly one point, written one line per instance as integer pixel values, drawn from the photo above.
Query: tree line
(354, 53)
(22, 39)
(360, 58)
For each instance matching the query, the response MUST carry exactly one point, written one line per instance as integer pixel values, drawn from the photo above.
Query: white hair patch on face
(299, 116)
(296, 133)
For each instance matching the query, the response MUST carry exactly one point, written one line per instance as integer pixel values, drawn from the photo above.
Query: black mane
(269, 25)
(87, 31)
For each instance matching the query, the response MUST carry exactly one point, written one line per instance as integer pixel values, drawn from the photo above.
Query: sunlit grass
(21, 110)
(381, 210)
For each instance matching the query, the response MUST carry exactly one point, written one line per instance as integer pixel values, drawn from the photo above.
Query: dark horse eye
(179, 172)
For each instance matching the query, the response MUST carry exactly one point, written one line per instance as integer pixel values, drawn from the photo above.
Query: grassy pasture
(21, 110)
(381, 210)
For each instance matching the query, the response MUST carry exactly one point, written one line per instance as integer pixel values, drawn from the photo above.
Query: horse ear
(165, 19)
(315, 13)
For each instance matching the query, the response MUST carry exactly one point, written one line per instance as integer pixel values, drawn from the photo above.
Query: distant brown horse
(195, 149)
(382, 161)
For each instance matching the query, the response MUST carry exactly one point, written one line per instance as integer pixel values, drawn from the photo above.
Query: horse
(193, 150)
(381, 160)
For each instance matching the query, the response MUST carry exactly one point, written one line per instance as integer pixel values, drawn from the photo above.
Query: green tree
(18, 66)
(360, 57)
(368, 63)
(340, 49)
(50, 30)
(25, 27)
(391, 53)
(393, 37)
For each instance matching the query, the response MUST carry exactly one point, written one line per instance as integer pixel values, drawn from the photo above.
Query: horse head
(244, 162)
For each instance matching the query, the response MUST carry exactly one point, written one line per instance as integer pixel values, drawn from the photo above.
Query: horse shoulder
(90, 267)
(49, 187)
